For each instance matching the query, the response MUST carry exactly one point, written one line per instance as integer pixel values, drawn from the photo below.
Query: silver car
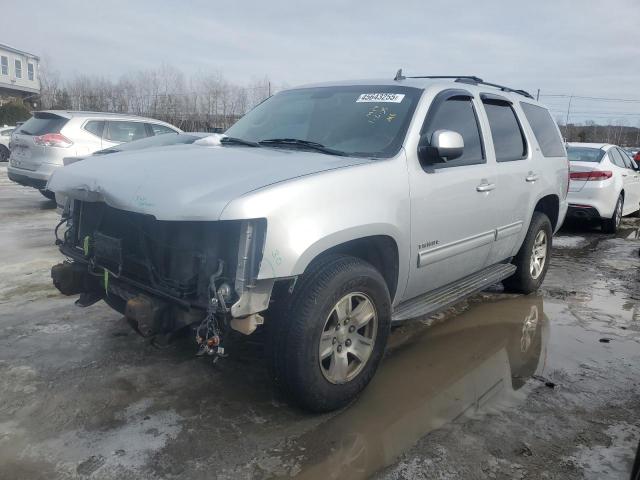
(40, 144)
(327, 214)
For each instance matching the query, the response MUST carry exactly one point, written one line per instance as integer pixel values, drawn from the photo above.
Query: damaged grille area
(176, 258)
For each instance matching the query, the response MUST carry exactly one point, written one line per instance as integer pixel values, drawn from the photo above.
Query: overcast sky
(576, 47)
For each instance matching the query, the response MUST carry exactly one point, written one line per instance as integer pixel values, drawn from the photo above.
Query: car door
(515, 174)
(631, 181)
(452, 224)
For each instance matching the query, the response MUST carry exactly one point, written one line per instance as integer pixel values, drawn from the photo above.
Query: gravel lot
(502, 386)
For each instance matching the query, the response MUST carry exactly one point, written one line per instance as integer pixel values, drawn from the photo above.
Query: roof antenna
(399, 75)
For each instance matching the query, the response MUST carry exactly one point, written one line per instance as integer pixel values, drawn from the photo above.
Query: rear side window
(544, 129)
(160, 129)
(616, 158)
(508, 139)
(95, 127)
(42, 123)
(125, 131)
(458, 114)
(625, 158)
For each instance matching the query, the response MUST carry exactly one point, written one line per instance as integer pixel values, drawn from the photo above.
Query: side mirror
(443, 146)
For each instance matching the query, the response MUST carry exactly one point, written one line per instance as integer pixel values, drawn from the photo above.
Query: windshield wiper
(238, 141)
(296, 142)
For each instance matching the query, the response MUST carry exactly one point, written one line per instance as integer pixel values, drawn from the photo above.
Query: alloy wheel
(538, 255)
(348, 338)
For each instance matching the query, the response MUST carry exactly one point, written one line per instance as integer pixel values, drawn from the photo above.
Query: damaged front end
(165, 275)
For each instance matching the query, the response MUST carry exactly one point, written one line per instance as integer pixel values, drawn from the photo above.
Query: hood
(187, 182)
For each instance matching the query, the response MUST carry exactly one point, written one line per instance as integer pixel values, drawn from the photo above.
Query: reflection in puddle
(452, 369)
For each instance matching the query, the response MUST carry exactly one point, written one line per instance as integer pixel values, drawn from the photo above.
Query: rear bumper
(600, 196)
(32, 178)
(583, 212)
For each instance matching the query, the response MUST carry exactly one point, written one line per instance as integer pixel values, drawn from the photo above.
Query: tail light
(595, 175)
(53, 140)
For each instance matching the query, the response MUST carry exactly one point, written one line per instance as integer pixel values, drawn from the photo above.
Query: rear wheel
(326, 344)
(48, 193)
(532, 260)
(4, 153)
(610, 225)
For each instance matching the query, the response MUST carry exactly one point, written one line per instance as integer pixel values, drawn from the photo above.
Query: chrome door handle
(532, 177)
(485, 187)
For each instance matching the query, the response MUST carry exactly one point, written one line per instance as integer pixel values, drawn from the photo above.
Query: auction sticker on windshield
(381, 97)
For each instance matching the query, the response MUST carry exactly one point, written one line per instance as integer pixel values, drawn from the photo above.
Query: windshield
(584, 154)
(156, 141)
(359, 120)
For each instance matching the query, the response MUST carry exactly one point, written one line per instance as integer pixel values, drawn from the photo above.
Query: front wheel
(532, 260)
(326, 345)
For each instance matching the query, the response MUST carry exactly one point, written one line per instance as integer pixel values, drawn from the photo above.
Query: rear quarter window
(544, 129)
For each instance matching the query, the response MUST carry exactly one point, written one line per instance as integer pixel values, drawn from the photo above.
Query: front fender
(310, 214)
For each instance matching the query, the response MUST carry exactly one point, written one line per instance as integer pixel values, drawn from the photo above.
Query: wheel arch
(550, 206)
(380, 250)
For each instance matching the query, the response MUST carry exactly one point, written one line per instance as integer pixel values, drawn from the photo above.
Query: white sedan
(5, 138)
(604, 184)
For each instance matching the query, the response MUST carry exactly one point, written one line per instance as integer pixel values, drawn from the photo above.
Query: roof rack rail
(470, 79)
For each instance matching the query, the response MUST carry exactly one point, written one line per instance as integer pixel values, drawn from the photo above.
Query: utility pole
(538, 95)
(567, 120)
(269, 87)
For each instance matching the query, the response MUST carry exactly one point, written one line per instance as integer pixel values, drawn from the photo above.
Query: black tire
(522, 281)
(297, 325)
(610, 225)
(48, 193)
(4, 153)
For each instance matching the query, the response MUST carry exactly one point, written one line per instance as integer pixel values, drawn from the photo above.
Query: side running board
(443, 297)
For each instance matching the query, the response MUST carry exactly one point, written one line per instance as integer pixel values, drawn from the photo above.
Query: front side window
(508, 139)
(358, 120)
(18, 65)
(125, 131)
(30, 71)
(544, 129)
(457, 114)
(4, 65)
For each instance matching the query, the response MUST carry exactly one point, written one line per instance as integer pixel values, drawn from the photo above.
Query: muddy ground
(502, 386)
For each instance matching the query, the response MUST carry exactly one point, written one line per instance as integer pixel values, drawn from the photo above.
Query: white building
(19, 74)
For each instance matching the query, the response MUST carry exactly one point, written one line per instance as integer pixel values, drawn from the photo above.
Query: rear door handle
(532, 177)
(485, 187)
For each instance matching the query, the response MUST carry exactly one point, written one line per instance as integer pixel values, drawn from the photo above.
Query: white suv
(39, 145)
(328, 213)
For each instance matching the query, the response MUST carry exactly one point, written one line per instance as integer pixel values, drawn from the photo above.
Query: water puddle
(451, 370)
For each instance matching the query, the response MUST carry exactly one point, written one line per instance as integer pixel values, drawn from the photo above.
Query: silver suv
(326, 215)
(39, 145)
